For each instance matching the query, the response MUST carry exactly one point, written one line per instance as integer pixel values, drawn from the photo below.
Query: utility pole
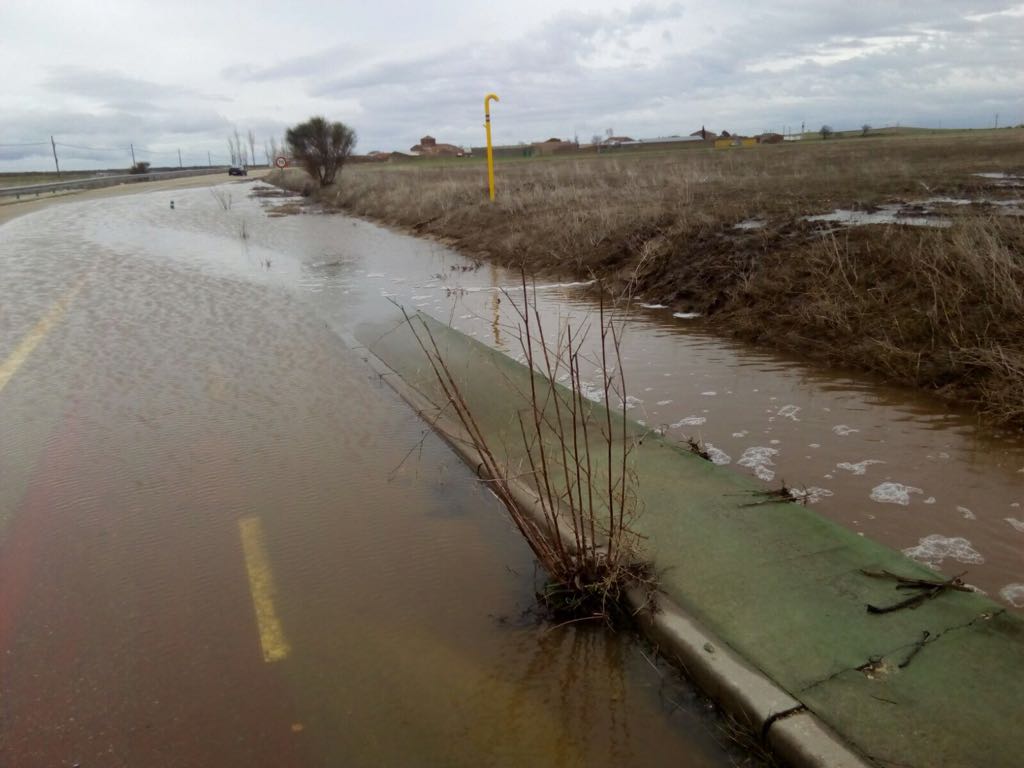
(54, 145)
(179, 159)
(209, 160)
(997, 120)
(132, 146)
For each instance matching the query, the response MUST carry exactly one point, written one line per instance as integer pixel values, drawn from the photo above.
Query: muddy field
(900, 256)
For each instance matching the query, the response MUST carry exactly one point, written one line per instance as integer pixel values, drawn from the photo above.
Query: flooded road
(224, 541)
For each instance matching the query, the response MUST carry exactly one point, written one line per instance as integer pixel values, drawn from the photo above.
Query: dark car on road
(238, 170)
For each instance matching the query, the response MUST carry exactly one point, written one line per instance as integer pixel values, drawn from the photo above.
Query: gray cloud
(107, 86)
(651, 69)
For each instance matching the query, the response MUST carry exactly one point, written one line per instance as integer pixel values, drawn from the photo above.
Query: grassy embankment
(41, 177)
(942, 309)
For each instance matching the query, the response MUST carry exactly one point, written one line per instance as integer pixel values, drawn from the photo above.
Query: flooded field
(224, 541)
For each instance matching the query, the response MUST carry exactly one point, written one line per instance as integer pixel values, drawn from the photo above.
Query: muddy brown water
(204, 376)
(225, 542)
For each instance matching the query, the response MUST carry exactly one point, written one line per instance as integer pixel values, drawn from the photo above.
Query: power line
(156, 151)
(28, 144)
(90, 149)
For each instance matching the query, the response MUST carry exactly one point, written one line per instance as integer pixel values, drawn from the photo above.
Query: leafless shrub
(579, 460)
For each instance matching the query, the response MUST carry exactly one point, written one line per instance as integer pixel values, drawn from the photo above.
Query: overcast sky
(166, 75)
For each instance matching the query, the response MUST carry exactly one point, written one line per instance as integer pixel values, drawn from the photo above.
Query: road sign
(281, 162)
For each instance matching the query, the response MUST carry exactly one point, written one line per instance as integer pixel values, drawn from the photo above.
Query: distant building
(770, 138)
(428, 147)
(662, 141)
(554, 147)
(704, 135)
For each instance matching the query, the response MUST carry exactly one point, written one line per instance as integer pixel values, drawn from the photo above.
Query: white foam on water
(709, 394)
(774, 442)
(860, 467)
(375, 274)
(1018, 525)
(966, 513)
(630, 402)
(893, 493)
(1015, 504)
(934, 548)
(759, 459)
(842, 430)
(664, 402)
(592, 392)
(1013, 594)
(742, 433)
(789, 412)
(814, 445)
(422, 296)
(653, 306)
(686, 315)
(929, 500)
(717, 455)
(813, 495)
(689, 421)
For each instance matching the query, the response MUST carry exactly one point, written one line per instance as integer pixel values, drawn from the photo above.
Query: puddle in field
(1002, 179)
(750, 224)
(890, 213)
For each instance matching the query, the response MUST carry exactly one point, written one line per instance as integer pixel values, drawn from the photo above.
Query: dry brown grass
(936, 308)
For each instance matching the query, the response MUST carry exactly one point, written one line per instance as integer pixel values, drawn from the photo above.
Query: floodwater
(225, 542)
(914, 472)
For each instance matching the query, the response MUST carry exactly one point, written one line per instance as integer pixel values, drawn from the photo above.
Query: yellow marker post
(490, 149)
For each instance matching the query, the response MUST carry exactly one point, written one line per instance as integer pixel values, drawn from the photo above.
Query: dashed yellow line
(261, 585)
(23, 351)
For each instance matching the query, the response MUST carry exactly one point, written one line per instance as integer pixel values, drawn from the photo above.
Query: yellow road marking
(32, 339)
(261, 585)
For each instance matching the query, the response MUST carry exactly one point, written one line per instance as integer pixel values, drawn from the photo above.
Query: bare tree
(236, 149)
(252, 146)
(865, 129)
(826, 131)
(321, 147)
